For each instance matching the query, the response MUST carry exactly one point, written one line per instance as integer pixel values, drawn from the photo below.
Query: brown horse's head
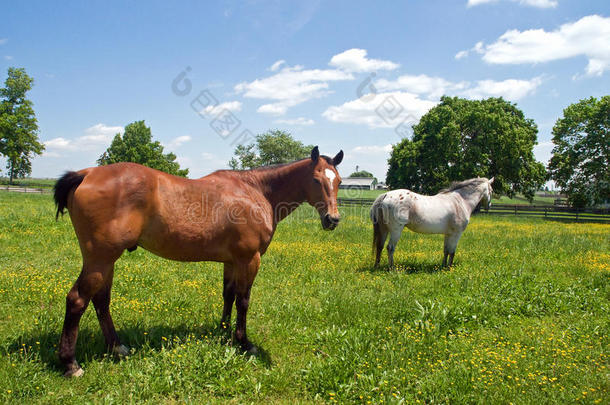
(323, 187)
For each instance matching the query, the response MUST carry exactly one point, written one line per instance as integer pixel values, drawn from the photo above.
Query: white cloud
(296, 121)
(274, 108)
(385, 110)
(57, 143)
(478, 48)
(96, 137)
(432, 87)
(213, 111)
(531, 3)
(291, 86)
(3, 41)
(8, 57)
(372, 149)
(99, 134)
(277, 65)
(355, 60)
(510, 89)
(461, 54)
(177, 142)
(410, 96)
(589, 37)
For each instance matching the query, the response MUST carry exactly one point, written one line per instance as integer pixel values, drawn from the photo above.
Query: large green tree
(460, 139)
(18, 125)
(136, 145)
(271, 147)
(581, 156)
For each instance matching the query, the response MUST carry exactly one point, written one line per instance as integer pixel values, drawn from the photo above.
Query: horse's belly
(186, 241)
(426, 227)
(186, 251)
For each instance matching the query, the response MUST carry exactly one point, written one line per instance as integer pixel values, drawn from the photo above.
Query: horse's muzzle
(330, 222)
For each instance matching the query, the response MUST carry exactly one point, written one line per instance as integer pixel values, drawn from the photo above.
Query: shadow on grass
(91, 347)
(405, 266)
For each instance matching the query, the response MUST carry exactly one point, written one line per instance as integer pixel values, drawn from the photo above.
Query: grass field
(521, 318)
(30, 182)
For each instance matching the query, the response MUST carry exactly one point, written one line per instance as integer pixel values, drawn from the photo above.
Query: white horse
(448, 213)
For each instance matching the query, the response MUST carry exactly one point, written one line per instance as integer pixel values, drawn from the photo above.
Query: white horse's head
(487, 192)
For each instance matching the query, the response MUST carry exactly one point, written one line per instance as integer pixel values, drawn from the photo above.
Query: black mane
(329, 160)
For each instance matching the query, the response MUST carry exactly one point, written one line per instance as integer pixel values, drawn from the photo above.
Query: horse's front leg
(395, 233)
(228, 294)
(245, 272)
(450, 246)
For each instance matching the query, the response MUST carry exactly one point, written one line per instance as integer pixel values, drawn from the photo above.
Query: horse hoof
(121, 350)
(74, 372)
(252, 351)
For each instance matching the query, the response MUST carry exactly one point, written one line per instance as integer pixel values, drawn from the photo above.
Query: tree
(364, 173)
(580, 157)
(136, 145)
(271, 147)
(18, 125)
(460, 139)
(361, 173)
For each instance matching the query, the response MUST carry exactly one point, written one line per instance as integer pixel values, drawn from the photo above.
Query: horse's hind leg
(91, 279)
(101, 302)
(380, 242)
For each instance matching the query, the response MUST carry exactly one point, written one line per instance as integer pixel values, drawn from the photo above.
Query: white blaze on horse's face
(331, 176)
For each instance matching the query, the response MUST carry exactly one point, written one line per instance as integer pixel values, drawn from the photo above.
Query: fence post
(545, 209)
(515, 210)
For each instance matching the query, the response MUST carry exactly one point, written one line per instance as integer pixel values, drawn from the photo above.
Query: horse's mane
(329, 160)
(242, 172)
(458, 185)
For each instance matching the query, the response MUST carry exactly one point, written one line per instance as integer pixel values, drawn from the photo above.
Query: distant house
(358, 183)
(381, 186)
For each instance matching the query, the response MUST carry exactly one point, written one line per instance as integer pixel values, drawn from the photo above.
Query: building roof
(357, 181)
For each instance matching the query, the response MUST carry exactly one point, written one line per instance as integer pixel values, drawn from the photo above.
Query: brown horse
(227, 216)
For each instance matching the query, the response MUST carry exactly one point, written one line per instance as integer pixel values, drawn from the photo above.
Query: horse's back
(421, 213)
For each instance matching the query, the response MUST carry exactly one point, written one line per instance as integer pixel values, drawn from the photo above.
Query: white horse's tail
(377, 219)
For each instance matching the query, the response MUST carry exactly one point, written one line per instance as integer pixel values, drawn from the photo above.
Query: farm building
(381, 186)
(358, 183)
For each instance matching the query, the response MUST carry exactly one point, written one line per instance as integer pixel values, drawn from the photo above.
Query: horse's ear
(492, 180)
(315, 154)
(338, 158)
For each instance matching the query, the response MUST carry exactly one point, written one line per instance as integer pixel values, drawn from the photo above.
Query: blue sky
(305, 67)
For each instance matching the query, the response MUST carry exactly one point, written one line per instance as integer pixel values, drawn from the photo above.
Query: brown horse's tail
(377, 218)
(66, 183)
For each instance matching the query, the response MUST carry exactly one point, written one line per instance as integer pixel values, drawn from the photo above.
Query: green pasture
(521, 318)
(30, 182)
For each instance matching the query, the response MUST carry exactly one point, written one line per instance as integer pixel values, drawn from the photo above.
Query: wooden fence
(551, 212)
(22, 189)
